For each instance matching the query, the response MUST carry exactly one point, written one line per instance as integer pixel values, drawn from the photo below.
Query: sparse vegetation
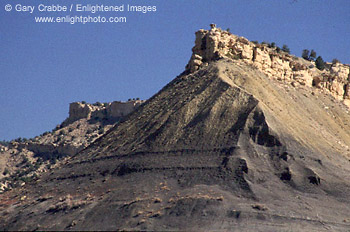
(286, 49)
(24, 159)
(307, 55)
(57, 128)
(320, 63)
(272, 45)
(19, 140)
(312, 55)
(5, 172)
(334, 61)
(4, 143)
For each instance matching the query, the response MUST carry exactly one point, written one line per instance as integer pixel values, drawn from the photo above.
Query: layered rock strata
(215, 44)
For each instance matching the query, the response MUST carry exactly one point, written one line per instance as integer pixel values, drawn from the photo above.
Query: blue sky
(44, 67)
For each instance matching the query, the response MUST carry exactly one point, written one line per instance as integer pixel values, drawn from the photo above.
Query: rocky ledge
(214, 44)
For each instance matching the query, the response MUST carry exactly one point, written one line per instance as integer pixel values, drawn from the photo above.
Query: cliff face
(113, 110)
(214, 44)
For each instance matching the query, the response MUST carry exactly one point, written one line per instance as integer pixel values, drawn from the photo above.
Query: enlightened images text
(85, 8)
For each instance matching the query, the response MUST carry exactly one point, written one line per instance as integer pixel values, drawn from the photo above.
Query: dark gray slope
(221, 149)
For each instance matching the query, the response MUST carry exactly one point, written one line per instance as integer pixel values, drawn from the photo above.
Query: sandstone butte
(216, 43)
(245, 139)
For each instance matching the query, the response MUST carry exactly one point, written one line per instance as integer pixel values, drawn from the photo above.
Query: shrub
(312, 55)
(83, 102)
(4, 142)
(53, 160)
(320, 63)
(5, 172)
(37, 165)
(255, 42)
(334, 61)
(24, 159)
(57, 128)
(272, 45)
(26, 179)
(305, 54)
(285, 48)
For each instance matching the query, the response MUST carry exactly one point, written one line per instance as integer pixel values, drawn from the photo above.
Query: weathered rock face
(215, 44)
(78, 110)
(116, 109)
(23, 160)
(120, 109)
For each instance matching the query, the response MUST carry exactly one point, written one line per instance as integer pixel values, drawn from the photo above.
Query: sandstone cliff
(214, 44)
(107, 111)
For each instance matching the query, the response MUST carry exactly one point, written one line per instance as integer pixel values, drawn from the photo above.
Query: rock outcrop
(21, 160)
(113, 110)
(214, 44)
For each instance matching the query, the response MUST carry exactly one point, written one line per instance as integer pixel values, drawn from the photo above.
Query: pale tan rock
(337, 89)
(341, 71)
(347, 102)
(120, 109)
(215, 44)
(303, 77)
(78, 110)
(294, 84)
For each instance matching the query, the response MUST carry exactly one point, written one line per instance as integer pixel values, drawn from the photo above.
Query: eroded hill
(22, 160)
(223, 147)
